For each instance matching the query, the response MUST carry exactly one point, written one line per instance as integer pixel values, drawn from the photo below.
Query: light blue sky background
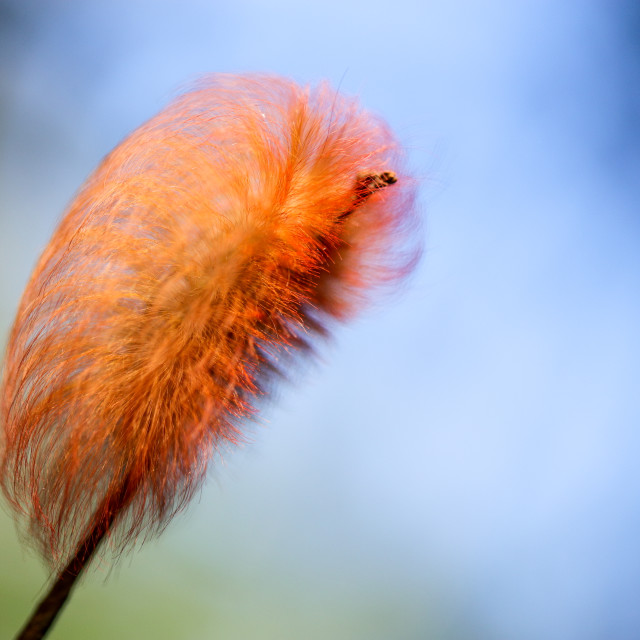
(463, 463)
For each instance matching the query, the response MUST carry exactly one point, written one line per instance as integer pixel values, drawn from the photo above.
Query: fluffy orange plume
(216, 238)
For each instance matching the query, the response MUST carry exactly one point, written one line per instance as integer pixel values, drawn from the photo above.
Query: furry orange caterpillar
(220, 235)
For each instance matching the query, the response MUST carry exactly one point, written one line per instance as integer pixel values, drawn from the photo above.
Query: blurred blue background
(463, 463)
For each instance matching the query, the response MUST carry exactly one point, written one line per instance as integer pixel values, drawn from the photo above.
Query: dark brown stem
(50, 606)
(366, 185)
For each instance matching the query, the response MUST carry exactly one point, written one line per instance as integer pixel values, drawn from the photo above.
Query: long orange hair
(214, 240)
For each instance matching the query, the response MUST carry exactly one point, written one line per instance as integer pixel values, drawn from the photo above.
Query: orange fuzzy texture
(203, 249)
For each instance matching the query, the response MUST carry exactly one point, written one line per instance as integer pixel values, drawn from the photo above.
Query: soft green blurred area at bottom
(160, 593)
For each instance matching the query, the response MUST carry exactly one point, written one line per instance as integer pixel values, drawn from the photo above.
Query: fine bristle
(217, 238)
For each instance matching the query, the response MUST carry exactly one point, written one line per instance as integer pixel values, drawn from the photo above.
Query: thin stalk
(52, 603)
